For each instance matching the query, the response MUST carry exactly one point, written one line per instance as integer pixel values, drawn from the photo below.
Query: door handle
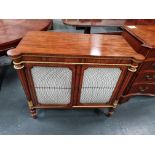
(142, 89)
(149, 77)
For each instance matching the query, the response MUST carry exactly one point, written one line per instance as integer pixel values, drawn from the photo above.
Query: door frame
(116, 89)
(28, 68)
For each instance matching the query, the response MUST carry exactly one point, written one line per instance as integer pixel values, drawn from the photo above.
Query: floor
(137, 116)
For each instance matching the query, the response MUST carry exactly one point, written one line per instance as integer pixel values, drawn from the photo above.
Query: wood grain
(145, 34)
(13, 30)
(73, 44)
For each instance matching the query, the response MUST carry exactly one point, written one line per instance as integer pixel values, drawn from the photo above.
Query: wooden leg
(124, 99)
(33, 113)
(32, 110)
(110, 112)
(87, 30)
(51, 27)
(2, 74)
(101, 111)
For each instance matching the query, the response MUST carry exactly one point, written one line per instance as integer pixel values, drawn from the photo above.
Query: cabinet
(142, 39)
(67, 70)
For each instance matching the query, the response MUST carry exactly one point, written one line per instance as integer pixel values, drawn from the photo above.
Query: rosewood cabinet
(142, 39)
(67, 70)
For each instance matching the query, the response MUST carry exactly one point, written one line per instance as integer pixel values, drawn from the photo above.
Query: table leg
(4, 63)
(51, 27)
(87, 30)
(2, 73)
(79, 28)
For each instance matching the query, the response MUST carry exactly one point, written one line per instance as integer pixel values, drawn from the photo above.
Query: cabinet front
(64, 86)
(99, 85)
(51, 85)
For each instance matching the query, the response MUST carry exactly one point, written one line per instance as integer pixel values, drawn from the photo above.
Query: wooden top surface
(12, 30)
(94, 22)
(108, 22)
(145, 34)
(74, 44)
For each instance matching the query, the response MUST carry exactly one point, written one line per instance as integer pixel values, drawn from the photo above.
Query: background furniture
(69, 70)
(88, 23)
(12, 31)
(142, 39)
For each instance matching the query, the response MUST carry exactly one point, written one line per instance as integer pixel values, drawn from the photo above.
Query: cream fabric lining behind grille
(52, 84)
(98, 84)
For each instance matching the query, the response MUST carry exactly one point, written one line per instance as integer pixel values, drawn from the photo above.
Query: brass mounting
(115, 104)
(30, 104)
(73, 63)
(132, 68)
(18, 67)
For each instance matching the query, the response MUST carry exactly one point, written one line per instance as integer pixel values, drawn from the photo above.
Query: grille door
(52, 84)
(98, 84)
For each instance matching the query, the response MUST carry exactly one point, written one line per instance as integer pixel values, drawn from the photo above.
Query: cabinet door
(99, 85)
(51, 85)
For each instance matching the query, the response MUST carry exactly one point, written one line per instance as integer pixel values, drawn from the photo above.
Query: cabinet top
(74, 44)
(144, 33)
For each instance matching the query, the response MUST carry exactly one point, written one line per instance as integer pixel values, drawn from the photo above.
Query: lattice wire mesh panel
(99, 84)
(52, 84)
